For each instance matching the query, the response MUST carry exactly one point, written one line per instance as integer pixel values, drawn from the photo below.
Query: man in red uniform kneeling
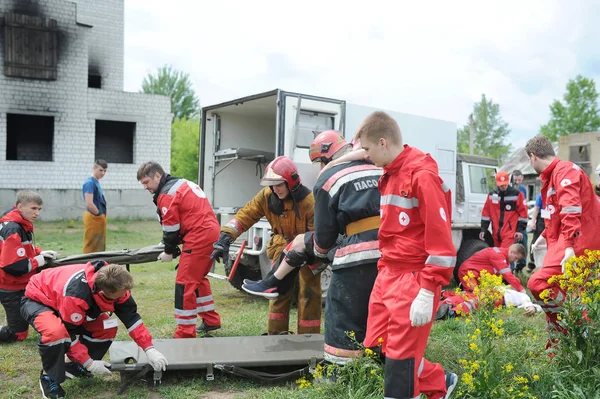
(69, 306)
(417, 259)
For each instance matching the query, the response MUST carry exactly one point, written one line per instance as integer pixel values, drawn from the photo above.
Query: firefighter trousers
(193, 295)
(88, 340)
(550, 304)
(407, 372)
(16, 328)
(309, 305)
(346, 310)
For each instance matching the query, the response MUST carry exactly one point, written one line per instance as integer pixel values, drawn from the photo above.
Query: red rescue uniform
(417, 252)
(507, 212)
(494, 261)
(73, 319)
(571, 215)
(187, 217)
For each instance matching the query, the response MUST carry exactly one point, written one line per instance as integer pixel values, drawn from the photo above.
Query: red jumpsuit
(493, 260)
(188, 218)
(17, 265)
(417, 252)
(63, 306)
(572, 217)
(507, 212)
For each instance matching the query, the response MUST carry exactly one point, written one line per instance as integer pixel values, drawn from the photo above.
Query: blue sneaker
(50, 389)
(451, 382)
(74, 370)
(260, 289)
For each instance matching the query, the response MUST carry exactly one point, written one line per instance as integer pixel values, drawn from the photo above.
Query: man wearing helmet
(347, 204)
(289, 207)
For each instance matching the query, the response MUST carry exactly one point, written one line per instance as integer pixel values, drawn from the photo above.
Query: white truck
(240, 137)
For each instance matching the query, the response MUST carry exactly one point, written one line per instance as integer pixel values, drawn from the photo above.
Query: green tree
(490, 133)
(577, 114)
(185, 134)
(177, 85)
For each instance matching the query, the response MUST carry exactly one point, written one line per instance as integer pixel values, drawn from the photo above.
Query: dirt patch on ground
(218, 395)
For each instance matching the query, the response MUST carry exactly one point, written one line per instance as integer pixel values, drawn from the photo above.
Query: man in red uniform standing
(417, 259)
(186, 217)
(70, 307)
(571, 214)
(506, 210)
(495, 261)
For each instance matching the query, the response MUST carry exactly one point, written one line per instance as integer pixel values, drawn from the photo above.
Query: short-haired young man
(94, 217)
(186, 217)
(571, 214)
(495, 261)
(417, 259)
(70, 306)
(19, 260)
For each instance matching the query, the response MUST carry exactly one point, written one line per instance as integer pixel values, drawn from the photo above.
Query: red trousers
(504, 242)
(193, 296)
(551, 305)
(407, 372)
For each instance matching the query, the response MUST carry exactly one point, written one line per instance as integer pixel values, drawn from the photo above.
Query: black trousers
(17, 326)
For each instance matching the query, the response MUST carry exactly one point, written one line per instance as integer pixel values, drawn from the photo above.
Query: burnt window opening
(29, 137)
(114, 141)
(30, 47)
(94, 81)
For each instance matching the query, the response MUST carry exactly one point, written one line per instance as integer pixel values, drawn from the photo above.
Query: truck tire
(466, 250)
(242, 272)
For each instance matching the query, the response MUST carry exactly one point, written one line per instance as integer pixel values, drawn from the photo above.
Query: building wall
(75, 107)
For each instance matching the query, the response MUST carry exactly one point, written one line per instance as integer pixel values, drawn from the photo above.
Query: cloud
(427, 58)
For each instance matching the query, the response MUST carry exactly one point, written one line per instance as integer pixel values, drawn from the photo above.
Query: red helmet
(326, 145)
(281, 169)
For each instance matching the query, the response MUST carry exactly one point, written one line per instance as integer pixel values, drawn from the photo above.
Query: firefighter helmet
(326, 145)
(281, 169)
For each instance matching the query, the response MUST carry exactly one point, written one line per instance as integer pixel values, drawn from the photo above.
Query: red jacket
(70, 290)
(507, 211)
(494, 261)
(185, 214)
(572, 211)
(416, 216)
(17, 252)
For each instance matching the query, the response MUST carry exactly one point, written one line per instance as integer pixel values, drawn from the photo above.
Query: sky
(430, 58)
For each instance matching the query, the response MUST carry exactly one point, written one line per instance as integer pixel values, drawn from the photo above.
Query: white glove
(156, 359)
(99, 367)
(540, 242)
(40, 260)
(164, 257)
(421, 310)
(569, 253)
(531, 225)
(49, 254)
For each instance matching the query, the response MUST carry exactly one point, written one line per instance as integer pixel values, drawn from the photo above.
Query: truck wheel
(466, 250)
(242, 272)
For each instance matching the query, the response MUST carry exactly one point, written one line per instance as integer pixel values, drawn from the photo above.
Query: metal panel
(198, 353)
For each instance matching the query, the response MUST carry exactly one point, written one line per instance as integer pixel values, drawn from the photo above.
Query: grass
(241, 315)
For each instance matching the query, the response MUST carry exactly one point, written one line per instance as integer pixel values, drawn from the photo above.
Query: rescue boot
(50, 389)
(205, 328)
(261, 289)
(75, 370)
(451, 382)
(7, 335)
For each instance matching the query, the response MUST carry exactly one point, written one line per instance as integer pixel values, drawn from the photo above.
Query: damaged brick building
(62, 105)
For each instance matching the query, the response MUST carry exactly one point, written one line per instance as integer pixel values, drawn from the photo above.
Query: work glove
(421, 310)
(569, 253)
(540, 242)
(156, 360)
(49, 254)
(531, 225)
(99, 367)
(221, 247)
(165, 257)
(40, 260)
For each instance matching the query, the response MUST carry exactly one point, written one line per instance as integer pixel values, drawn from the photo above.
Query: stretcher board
(205, 353)
(122, 257)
